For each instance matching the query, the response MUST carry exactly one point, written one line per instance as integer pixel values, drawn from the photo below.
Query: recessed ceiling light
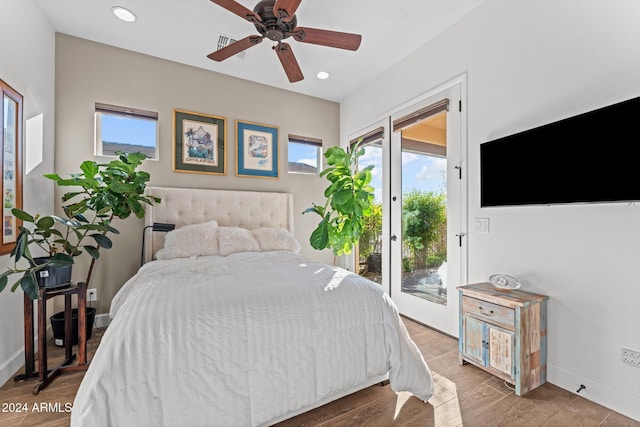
(322, 75)
(124, 14)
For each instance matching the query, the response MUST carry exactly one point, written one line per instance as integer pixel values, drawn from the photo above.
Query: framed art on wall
(11, 140)
(256, 150)
(199, 143)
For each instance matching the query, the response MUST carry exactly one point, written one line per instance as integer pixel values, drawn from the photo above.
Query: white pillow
(236, 239)
(276, 239)
(191, 240)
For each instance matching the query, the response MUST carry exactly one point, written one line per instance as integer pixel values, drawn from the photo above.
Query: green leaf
(102, 240)
(3, 281)
(53, 176)
(90, 168)
(320, 236)
(68, 196)
(45, 223)
(137, 208)
(118, 187)
(342, 198)
(29, 285)
(93, 251)
(21, 245)
(316, 209)
(22, 215)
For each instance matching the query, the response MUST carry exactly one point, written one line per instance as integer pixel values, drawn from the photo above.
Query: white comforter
(242, 340)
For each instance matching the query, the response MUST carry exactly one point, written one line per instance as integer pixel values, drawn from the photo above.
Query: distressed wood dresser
(504, 333)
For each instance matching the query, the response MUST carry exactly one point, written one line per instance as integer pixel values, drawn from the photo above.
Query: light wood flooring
(464, 396)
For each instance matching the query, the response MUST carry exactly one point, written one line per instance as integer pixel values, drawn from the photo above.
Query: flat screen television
(591, 157)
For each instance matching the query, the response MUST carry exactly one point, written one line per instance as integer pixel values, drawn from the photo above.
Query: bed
(230, 333)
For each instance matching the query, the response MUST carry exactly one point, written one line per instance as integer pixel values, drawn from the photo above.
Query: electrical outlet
(92, 294)
(631, 357)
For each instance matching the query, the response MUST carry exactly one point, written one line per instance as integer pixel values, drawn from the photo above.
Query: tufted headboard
(246, 209)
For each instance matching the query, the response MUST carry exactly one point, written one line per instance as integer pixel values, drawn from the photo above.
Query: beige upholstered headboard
(246, 209)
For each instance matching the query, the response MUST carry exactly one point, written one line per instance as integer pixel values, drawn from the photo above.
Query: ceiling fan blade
(327, 38)
(235, 7)
(234, 48)
(286, 8)
(289, 62)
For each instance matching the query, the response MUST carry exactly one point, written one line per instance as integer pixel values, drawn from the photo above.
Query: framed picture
(256, 150)
(11, 141)
(199, 143)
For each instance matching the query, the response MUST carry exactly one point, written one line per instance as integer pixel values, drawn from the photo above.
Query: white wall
(530, 63)
(27, 64)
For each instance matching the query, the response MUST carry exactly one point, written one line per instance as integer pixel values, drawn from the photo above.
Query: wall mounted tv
(591, 157)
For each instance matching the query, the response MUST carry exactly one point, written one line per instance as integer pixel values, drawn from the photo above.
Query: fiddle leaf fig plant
(349, 201)
(104, 192)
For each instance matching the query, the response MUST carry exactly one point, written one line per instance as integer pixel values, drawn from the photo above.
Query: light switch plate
(481, 225)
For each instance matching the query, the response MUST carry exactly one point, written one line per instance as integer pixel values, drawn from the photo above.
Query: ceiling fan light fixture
(323, 75)
(123, 14)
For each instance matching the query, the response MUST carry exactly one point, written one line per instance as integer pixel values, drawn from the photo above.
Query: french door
(415, 249)
(427, 204)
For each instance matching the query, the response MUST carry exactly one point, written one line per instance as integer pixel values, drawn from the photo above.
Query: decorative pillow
(236, 239)
(191, 240)
(276, 239)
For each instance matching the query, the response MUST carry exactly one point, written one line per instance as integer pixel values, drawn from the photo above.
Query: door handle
(394, 238)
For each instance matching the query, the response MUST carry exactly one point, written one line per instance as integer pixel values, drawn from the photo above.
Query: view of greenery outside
(370, 240)
(424, 222)
(423, 216)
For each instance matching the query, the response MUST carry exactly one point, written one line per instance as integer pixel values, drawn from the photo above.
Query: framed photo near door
(11, 140)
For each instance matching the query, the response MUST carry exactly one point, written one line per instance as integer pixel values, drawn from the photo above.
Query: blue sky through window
(128, 130)
(419, 172)
(303, 153)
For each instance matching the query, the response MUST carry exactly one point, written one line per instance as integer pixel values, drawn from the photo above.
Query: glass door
(426, 210)
(372, 255)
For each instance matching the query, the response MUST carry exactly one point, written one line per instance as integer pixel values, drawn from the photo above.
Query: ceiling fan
(276, 20)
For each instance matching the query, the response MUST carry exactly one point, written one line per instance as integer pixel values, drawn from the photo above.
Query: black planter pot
(52, 277)
(374, 263)
(57, 324)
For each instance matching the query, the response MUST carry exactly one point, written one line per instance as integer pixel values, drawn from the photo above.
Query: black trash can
(57, 324)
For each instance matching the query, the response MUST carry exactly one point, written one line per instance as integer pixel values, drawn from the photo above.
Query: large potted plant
(349, 200)
(101, 193)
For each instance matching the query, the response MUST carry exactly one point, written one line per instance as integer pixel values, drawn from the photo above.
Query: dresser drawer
(489, 312)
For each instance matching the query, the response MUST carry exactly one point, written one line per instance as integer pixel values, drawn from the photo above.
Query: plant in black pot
(101, 193)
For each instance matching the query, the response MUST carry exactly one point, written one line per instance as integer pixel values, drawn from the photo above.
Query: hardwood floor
(464, 396)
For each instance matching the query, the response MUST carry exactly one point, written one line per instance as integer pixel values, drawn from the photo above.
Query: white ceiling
(186, 31)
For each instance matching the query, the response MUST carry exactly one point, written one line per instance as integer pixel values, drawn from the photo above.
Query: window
(305, 154)
(125, 129)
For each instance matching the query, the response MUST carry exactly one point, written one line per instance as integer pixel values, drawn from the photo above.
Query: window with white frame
(125, 129)
(305, 154)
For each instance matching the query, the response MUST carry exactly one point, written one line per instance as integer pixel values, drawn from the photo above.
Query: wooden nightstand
(44, 374)
(504, 333)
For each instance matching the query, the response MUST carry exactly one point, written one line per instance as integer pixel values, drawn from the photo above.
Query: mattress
(242, 340)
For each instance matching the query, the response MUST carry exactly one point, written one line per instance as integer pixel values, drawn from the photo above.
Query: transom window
(305, 154)
(125, 129)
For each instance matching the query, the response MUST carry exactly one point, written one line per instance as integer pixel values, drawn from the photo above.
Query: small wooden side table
(44, 374)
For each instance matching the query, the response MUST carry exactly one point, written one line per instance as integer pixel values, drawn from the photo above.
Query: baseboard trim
(596, 392)
(102, 320)
(11, 366)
